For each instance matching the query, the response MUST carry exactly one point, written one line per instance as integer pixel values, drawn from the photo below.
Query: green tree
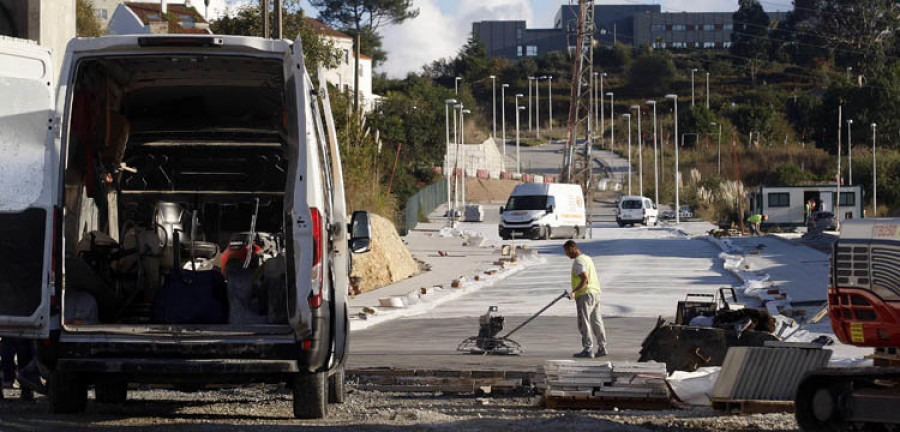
(791, 174)
(696, 119)
(750, 38)
(86, 24)
(247, 21)
(363, 17)
(651, 74)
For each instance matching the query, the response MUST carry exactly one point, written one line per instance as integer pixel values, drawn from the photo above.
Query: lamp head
(637, 107)
(450, 101)
(672, 96)
(505, 85)
(609, 93)
(465, 111)
(650, 102)
(493, 77)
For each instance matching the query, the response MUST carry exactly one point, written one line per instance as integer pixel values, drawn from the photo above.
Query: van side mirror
(550, 208)
(360, 232)
(654, 206)
(501, 209)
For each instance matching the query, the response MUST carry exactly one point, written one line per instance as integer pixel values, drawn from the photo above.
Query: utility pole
(264, 5)
(874, 177)
(849, 153)
(278, 35)
(674, 98)
(494, 99)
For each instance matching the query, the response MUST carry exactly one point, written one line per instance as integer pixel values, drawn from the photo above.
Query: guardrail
(423, 203)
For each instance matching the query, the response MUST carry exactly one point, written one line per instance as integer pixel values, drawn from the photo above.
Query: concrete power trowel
(489, 326)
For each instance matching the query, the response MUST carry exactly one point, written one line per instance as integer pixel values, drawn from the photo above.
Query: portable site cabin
(786, 205)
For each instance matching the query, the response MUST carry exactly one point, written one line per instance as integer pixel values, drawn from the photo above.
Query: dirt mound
(389, 261)
(488, 191)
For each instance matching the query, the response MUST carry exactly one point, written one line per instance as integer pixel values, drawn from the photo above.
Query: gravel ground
(268, 408)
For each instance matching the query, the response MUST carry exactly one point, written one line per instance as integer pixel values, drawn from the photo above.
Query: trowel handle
(564, 294)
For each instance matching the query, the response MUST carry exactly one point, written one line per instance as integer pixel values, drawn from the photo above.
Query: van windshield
(631, 205)
(527, 202)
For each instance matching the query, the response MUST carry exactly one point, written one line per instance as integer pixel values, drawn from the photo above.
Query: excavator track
(849, 399)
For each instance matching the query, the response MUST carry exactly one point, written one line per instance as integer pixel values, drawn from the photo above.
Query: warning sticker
(887, 231)
(856, 333)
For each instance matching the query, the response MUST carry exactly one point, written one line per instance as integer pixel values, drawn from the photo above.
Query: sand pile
(389, 261)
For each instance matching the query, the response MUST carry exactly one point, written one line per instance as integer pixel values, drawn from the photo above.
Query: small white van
(175, 215)
(636, 210)
(544, 211)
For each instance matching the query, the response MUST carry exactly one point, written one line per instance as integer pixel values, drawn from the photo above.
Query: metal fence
(423, 203)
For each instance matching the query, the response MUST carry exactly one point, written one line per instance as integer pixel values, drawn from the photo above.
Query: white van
(544, 211)
(176, 215)
(633, 209)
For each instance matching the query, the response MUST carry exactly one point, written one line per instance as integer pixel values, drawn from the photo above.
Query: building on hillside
(634, 25)
(50, 23)
(156, 18)
(342, 75)
(786, 205)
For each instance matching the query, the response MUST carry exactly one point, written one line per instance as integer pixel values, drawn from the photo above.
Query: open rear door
(29, 169)
(299, 232)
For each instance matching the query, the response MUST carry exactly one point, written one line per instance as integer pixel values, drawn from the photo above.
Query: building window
(690, 27)
(726, 44)
(153, 17)
(658, 27)
(346, 56)
(531, 50)
(518, 34)
(100, 13)
(520, 51)
(679, 45)
(187, 21)
(729, 26)
(696, 44)
(718, 26)
(709, 44)
(848, 199)
(678, 27)
(780, 199)
(709, 27)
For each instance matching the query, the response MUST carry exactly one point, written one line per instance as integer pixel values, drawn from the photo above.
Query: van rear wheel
(112, 392)
(310, 395)
(68, 393)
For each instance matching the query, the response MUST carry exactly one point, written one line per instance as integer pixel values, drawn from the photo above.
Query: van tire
(68, 393)
(310, 395)
(111, 392)
(548, 233)
(337, 390)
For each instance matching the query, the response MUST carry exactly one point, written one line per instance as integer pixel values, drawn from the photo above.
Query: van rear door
(29, 168)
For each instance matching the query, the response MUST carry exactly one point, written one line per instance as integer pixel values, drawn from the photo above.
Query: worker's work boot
(600, 353)
(587, 353)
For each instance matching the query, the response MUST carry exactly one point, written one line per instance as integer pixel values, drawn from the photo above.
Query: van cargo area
(175, 166)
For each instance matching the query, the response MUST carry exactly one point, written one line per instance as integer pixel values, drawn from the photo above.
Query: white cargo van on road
(633, 209)
(544, 211)
(175, 216)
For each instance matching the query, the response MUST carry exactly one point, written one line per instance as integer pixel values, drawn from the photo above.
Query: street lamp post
(518, 108)
(655, 157)
(640, 138)
(456, 107)
(849, 153)
(447, 104)
(874, 177)
(550, 102)
(503, 114)
(531, 78)
(456, 84)
(537, 107)
(719, 163)
(462, 137)
(692, 90)
(674, 98)
(612, 121)
(602, 115)
(628, 117)
(494, 101)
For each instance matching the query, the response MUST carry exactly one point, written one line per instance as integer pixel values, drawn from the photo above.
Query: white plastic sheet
(694, 387)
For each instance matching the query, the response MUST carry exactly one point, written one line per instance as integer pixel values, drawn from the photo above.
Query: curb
(442, 296)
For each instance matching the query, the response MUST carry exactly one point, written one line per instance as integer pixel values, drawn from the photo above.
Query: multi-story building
(633, 25)
(341, 76)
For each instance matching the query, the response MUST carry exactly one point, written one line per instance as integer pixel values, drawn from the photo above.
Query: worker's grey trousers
(590, 323)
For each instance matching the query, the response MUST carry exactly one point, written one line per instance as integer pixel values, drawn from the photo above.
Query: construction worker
(807, 211)
(755, 221)
(586, 292)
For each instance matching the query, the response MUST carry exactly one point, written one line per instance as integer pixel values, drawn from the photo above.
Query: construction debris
(603, 385)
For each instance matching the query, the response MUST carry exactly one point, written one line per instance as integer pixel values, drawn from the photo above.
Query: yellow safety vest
(593, 285)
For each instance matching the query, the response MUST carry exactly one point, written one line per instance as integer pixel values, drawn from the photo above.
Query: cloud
(435, 34)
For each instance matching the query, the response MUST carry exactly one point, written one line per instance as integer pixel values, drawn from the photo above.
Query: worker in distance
(586, 293)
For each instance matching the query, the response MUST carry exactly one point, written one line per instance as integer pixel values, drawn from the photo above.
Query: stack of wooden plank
(598, 384)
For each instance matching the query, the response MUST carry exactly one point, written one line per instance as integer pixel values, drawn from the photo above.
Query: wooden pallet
(605, 403)
(752, 406)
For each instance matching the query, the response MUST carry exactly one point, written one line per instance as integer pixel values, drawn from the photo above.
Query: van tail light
(315, 299)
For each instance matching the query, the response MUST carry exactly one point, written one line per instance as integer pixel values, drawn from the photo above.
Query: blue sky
(444, 25)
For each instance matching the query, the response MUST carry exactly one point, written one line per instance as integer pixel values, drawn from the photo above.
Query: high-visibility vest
(593, 285)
